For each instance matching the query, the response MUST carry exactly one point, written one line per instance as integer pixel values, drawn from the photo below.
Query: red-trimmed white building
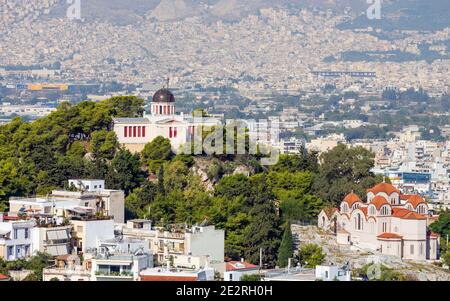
(388, 221)
(236, 269)
(135, 133)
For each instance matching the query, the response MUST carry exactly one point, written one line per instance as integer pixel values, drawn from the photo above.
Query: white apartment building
(51, 239)
(67, 268)
(194, 247)
(91, 195)
(15, 239)
(119, 259)
(88, 230)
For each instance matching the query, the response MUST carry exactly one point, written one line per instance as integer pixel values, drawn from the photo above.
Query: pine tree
(286, 248)
(161, 189)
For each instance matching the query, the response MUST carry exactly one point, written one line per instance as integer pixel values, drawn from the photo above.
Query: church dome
(163, 95)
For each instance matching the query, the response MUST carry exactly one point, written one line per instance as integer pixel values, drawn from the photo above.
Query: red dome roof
(351, 198)
(383, 187)
(415, 200)
(379, 201)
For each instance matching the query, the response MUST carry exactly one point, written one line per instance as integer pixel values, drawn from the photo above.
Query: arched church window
(358, 222)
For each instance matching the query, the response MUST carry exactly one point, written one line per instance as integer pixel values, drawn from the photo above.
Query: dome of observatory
(163, 95)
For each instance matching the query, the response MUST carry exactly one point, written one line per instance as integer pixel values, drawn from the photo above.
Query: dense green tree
(304, 161)
(262, 233)
(36, 264)
(137, 201)
(233, 186)
(125, 172)
(103, 145)
(156, 153)
(344, 169)
(442, 227)
(251, 278)
(287, 247)
(311, 255)
(263, 230)
(158, 149)
(161, 186)
(42, 154)
(300, 207)
(293, 191)
(125, 106)
(446, 258)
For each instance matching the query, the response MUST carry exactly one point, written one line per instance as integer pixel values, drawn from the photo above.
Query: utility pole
(260, 258)
(289, 265)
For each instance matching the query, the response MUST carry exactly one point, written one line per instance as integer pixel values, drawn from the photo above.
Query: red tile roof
(414, 215)
(238, 266)
(389, 236)
(415, 200)
(364, 210)
(3, 277)
(379, 201)
(383, 187)
(351, 198)
(167, 278)
(406, 214)
(10, 218)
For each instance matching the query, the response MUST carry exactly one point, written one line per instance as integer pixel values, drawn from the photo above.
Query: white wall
(237, 275)
(208, 242)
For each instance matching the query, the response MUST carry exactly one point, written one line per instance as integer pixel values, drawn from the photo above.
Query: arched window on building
(421, 209)
(358, 222)
(385, 210)
(371, 210)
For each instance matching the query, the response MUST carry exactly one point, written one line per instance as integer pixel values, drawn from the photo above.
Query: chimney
(242, 260)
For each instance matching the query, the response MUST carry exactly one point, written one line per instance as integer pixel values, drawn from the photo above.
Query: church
(135, 133)
(389, 222)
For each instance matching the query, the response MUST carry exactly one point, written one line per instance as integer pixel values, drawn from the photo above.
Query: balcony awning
(57, 235)
(57, 250)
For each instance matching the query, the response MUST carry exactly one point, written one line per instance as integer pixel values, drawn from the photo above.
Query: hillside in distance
(407, 15)
(131, 11)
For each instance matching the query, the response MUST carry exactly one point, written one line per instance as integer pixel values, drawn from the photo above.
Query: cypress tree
(287, 246)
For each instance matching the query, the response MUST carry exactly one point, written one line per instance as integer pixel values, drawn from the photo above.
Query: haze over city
(225, 141)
